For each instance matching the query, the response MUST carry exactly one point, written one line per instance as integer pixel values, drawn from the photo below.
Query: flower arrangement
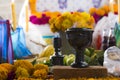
(98, 13)
(43, 17)
(40, 72)
(41, 66)
(68, 19)
(21, 70)
(40, 18)
(8, 66)
(24, 64)
(3, 73)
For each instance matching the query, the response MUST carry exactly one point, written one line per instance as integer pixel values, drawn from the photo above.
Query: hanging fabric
(6, 49)
(19, 44)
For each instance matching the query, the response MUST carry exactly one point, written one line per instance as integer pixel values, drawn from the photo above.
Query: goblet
(79, 39)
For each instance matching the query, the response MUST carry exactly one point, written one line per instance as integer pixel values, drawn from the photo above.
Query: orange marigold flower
(100, 12)
(32, 1)
(3, 73)
(21, 72)
(106, 8)
(24, 64)
(40, 74)
(115, 6)
(7, 66)
(92, 10)
(41, 66)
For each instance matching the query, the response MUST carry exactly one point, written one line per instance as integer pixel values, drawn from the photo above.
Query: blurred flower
(24, 64)
(92, 10)
(24, 78)
(41, 20)
(41, 66)
(68, 19)
(115, 6)
(98, 13)
(106, 9)
(40, 74)
(21, 72)
(7, 66)
(3, 73)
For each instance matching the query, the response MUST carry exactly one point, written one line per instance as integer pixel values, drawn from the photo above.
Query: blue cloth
(19, 44)
(6, 50)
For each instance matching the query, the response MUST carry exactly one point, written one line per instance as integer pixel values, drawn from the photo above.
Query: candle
(119, 11)
(27, 17)
(111, 6)
(13, 14)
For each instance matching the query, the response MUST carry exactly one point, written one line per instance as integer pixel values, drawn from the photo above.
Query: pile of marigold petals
(98, 13)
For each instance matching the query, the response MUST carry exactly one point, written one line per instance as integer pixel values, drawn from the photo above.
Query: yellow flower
(41, 66)
(84, 20)
(91, 79)
(57, 22)
(52, 14)
(3, 73)
(67, 20)
(21, 72)
(40, 74)
(85, 15)
(24, 64)
(66, 15)
(24, 78)
(76, 16)
(67, 23)
(7, 66)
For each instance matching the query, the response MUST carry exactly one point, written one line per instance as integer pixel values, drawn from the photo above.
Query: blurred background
(5, 8)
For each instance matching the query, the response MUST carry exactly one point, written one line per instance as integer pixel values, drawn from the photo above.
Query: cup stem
(79, 56)
(79, 60)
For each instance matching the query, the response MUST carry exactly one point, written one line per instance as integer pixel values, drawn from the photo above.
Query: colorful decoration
(24, 64)
(3, 73)
(98, 13)
(67, 20)
(23, 69)
(43, 18)
(21, 72)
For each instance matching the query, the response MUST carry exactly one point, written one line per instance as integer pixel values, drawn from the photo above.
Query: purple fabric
(6, 50)
(10, 48)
